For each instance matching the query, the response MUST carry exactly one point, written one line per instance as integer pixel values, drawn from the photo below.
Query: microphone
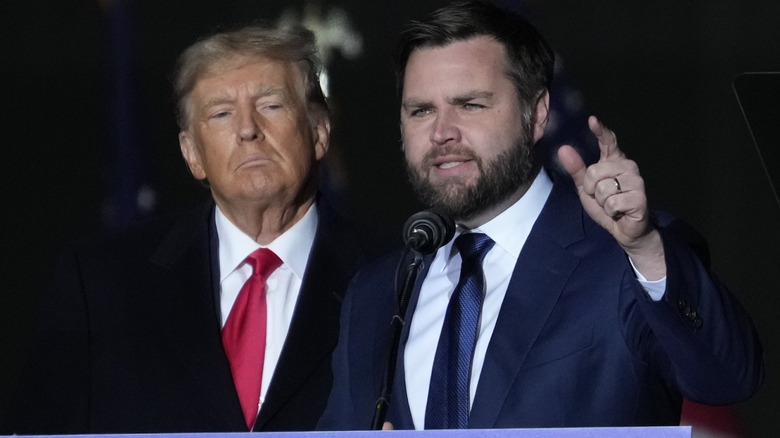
(428, 230)
(423, 232)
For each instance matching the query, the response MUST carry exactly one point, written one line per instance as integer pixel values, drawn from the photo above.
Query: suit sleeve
(707, 346)
(339, 413)
(361, 353)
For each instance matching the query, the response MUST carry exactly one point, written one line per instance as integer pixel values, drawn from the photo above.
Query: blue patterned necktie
(448, 395)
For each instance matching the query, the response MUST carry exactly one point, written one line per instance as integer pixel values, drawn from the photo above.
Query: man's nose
(445, 127)
(249, 126)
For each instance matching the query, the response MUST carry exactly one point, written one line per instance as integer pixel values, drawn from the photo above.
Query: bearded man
(563, 301)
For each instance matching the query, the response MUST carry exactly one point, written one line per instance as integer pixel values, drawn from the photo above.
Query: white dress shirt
(509, 230)
(282, 286)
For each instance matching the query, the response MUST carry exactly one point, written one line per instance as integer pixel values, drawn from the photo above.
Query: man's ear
(542, 114)
(191, 155)
(321, 134)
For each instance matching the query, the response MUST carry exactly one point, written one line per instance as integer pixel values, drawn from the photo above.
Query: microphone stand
(424, 233)
(396, 326)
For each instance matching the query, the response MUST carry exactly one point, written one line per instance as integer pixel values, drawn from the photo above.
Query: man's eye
(419, 112)
(271, 107)
(220, 115)
(472, 106)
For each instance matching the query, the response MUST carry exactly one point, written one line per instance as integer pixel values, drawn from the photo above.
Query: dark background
(87, 125)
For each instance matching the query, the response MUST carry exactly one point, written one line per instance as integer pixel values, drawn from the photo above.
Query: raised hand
(613, 193)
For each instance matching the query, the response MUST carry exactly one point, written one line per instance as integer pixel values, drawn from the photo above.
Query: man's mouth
(449, 164)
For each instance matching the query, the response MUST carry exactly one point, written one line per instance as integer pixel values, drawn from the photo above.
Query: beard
(498, 179)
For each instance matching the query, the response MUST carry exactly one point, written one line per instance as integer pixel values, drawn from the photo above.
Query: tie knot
(263, 262)
(473, 246)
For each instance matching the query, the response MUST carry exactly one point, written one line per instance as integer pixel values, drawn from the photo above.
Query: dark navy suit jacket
(131, 338)
(577, 342)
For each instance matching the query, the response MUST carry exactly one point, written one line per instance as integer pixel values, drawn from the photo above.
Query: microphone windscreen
(428, 230)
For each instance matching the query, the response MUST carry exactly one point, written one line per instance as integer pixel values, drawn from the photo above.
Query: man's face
(466, 148)
(250, 135)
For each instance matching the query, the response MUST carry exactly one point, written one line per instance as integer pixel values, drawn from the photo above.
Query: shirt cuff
(655, 289)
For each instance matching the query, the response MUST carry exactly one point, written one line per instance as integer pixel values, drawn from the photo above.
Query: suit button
(682, 303)
(698, 322)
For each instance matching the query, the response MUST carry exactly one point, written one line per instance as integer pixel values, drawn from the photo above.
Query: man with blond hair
(222, 319)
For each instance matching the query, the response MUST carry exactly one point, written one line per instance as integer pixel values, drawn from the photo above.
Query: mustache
(444, 150)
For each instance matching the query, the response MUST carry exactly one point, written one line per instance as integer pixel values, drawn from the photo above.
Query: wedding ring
(617, 184)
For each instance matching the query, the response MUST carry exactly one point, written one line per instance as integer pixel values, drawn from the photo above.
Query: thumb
(572, 162)
(387, 426)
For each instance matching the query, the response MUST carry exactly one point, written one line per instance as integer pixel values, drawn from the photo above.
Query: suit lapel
(313, 330)
(189, 314)
(543, 269)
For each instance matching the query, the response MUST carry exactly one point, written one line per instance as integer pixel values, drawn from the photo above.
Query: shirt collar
(292, 246)
(511, 227)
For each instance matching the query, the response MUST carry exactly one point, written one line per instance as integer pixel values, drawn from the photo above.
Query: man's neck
(491, 212)
(264, 223)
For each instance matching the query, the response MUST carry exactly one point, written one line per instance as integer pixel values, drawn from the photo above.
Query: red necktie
(243, 336)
